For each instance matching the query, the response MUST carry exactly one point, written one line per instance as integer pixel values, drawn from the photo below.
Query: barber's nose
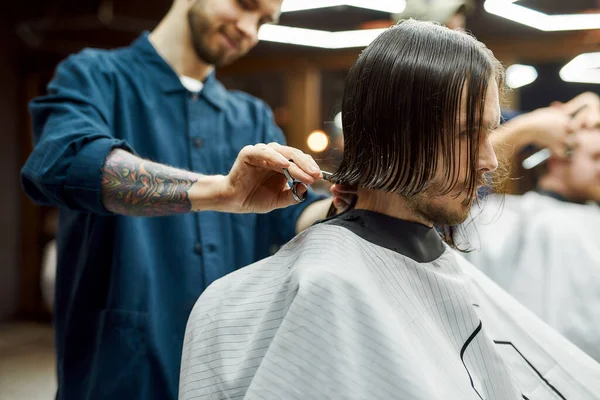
(487, 156)
(248, 25)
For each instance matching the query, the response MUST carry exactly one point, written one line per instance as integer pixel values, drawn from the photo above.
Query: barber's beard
(200, 30)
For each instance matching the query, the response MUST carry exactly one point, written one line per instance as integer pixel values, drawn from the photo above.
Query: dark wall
(9, 172)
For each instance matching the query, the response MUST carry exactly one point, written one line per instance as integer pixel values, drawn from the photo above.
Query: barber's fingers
(564, 148)
(578, 121)
(586, 119)
(571, 145)
(578, 103)
(275, 157)
(261, 155)
(297, 173)
(305, 162)
(593, 119)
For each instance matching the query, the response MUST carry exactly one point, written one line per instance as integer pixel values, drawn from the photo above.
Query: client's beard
(422, 205)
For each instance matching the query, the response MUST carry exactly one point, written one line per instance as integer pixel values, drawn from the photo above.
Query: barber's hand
(343, 196)
(256, 183)
(548, 128)
(587, 117)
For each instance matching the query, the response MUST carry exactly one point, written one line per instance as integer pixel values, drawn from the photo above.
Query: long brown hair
(401, 103)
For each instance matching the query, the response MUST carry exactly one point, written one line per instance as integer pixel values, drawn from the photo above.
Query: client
(373, 304)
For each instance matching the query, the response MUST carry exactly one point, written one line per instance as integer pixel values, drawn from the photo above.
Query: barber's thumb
(574, 125)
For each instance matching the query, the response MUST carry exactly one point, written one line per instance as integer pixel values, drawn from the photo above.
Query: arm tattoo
(136, 187)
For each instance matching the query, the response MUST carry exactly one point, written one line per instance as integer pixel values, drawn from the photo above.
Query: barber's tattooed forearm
(132, 186)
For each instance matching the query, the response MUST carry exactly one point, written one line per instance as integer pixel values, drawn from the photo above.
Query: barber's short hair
(400, 107)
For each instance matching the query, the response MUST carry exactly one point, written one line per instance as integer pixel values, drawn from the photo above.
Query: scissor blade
(327, 176)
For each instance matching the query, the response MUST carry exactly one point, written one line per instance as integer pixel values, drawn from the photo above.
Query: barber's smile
(233, 44)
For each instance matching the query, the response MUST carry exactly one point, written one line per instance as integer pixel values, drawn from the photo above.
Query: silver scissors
(328, 176)
(293, 183)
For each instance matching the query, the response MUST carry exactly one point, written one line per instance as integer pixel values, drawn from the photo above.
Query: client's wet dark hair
(400, 107)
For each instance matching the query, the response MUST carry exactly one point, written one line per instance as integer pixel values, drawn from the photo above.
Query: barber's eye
(245, 4)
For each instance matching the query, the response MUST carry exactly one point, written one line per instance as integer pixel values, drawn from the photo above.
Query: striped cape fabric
(545, 363)
(343, 312)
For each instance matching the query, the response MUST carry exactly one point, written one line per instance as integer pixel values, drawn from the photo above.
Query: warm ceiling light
(326, 39)
(518, 75)
(585, 68)
(316, 38)
(317, 141)
(535, 19)
(389, 6)
(290, 35)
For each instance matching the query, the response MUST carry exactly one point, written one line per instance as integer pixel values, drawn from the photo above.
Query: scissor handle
(293, 184)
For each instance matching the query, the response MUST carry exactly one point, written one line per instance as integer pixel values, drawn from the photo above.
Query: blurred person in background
(164, 180)
(543, 247)
(451, 13)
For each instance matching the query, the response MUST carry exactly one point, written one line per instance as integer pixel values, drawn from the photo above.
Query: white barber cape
(546, 253)
(366, 306)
